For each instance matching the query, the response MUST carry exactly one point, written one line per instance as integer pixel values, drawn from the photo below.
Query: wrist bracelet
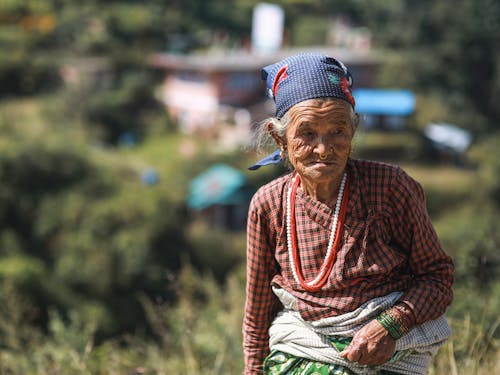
(395, 329)
(402, 313)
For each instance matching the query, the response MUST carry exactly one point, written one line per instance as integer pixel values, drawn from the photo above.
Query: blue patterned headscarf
(302, 77)
(306, 76)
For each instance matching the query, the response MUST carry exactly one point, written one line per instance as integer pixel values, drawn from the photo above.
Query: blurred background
(125, 133)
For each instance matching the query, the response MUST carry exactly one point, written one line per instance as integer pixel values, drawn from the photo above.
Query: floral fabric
(279, 363)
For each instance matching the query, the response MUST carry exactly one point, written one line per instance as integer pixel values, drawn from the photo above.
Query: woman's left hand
(371, 345)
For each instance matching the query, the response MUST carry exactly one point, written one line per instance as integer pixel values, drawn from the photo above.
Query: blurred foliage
(103, 273)
(449, 48)
(485, 155)
(216, 250)
(474, 245)
(387, 145)
(62, 251)
(200, 334)
(127, 110)
(437, 178)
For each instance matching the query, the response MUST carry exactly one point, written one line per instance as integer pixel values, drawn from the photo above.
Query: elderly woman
(345, 273)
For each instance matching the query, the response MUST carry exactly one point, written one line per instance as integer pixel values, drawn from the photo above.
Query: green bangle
(391, 325)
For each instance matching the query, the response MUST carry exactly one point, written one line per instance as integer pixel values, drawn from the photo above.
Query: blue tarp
(384, 102)
(219, 184)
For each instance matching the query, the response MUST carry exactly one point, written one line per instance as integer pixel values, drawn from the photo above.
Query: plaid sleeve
(432, 269)
(261, 304)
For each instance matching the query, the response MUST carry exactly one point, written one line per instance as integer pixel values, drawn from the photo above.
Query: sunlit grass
(444, 178)
(201, 334)
(388, 146)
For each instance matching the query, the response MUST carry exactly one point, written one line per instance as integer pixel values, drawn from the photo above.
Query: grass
(201, 334)
(386, 145)
(442, 178)
(445, 186)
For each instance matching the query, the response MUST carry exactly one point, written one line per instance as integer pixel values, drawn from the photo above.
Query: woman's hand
(371, 345)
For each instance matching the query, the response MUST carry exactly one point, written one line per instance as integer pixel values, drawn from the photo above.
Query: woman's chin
(320, 171)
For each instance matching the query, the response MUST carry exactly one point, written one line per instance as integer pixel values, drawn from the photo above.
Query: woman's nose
(322, 147)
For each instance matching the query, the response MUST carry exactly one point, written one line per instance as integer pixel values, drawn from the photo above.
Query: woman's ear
(279, 141)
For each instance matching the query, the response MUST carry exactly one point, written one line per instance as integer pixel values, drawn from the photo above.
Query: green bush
(126, 107)
(74, 234)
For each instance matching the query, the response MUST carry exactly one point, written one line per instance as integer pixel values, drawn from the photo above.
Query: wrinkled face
(318, 138)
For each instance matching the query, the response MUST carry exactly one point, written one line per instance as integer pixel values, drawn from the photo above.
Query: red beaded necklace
(335, 235)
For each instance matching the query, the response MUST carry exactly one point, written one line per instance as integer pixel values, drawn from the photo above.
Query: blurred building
(201, 91)
(447, 143)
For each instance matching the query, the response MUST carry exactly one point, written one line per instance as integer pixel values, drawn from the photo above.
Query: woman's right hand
(372, 345)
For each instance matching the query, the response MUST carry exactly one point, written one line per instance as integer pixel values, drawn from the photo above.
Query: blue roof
(384, 102)
(219, 184)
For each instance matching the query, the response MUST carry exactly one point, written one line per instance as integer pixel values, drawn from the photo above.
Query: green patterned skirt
(279, 363)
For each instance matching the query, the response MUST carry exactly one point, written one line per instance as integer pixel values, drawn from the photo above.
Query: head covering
(306, 76)
(302, 77)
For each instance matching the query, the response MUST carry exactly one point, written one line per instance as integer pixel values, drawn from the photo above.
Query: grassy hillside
(99, 275)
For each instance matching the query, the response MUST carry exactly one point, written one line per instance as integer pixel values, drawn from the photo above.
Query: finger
(345, 353)
(353, 354)
(346, 350)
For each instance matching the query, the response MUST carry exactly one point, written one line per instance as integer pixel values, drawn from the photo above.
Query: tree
(449, 47)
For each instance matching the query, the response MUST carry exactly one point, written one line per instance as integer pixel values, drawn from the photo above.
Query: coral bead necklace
(292, 242)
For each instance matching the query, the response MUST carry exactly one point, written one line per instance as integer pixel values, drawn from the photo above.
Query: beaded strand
(333, 241)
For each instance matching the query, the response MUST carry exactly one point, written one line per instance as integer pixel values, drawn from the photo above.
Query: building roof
(244, 60)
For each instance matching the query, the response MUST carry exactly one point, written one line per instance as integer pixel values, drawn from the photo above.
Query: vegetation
(102, 268)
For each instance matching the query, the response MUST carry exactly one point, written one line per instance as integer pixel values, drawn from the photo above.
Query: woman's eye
(307, 133)
(339, 131)
(335, 132)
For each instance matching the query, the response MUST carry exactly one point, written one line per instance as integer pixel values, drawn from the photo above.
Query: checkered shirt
(388, 244)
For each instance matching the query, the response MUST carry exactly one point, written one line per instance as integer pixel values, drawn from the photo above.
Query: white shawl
(291, 334)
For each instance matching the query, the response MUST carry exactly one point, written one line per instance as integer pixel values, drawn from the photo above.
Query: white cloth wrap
(291, 334)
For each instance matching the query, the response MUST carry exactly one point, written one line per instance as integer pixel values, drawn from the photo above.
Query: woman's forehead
(321, 108)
